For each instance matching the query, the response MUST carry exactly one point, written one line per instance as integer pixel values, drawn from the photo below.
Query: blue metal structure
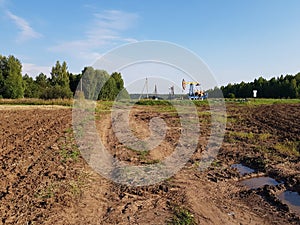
(194, 95)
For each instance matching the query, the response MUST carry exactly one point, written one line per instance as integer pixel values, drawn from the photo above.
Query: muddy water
(292, 199)
(242, 169)
(257, 182)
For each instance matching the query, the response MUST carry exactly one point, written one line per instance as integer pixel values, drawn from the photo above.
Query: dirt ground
(44, 179)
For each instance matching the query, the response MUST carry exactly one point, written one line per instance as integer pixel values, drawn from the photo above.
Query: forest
(60, 84)
(63, 84)
(287, 86)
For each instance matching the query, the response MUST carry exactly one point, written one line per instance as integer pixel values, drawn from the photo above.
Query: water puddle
(257, 182)
(292, 199)
(242, 169)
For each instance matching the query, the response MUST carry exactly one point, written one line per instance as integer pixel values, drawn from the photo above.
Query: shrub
(56, 92)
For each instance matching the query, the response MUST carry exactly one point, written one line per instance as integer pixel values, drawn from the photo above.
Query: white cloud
(26, 31)
(34, 70)
(105, 31)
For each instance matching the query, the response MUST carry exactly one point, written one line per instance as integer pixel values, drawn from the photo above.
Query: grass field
(35, 101)
(108, 104)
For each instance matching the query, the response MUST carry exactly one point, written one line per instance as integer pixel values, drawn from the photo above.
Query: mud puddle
(253, 182)
(257, 182)
(243, 170)
(292, 199)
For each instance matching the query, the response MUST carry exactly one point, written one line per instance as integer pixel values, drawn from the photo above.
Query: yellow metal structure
(184, 83)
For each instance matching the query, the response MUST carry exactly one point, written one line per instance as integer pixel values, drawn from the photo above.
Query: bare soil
(44, 180)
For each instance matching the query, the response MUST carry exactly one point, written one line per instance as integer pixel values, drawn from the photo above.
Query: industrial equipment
(194, 94)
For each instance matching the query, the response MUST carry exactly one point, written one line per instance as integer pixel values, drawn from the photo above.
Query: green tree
(293, 88)
(101, 78)
(2, 63)
(243, 90)
(59, 81)
(121, 91)
(54, 92)
(215, 92)
(286, 88)
(11, 77)
(89, 83)
(231, 95)
(109, 91)
(281, 87)
(93, 81)
(272, 88)
(123, 94)
(31, 89)
(260, 86)
(119, 80)
(42, 81)
(60, 74)
(113, 88)
(74, 82)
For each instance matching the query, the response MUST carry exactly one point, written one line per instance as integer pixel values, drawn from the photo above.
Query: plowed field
(44, 180)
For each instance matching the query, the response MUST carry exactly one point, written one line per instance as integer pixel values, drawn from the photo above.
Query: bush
(153, 102)
(231, 95)
(56, 92)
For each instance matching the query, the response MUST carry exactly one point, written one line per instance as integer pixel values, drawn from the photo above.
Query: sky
(238, 40)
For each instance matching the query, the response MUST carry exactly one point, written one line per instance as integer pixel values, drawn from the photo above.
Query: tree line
(96, 84)
(277, 87)
(99, 85)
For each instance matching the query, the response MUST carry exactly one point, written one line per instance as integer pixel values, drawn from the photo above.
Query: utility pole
(145, 86)
(155, 91)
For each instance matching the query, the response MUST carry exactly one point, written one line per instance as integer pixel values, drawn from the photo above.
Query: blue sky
(237, 39)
